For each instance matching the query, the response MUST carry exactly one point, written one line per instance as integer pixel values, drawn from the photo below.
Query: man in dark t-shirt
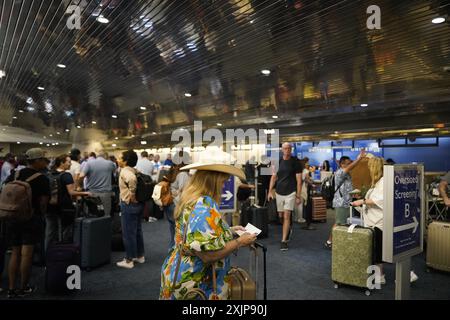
(288, 189)
(24, 235)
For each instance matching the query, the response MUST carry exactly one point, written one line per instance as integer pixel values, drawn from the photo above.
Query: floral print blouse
(207, 231)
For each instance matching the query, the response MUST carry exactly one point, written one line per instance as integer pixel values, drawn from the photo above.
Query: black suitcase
(59, 257)
(93, 236)
(117, 240)
(257, 216)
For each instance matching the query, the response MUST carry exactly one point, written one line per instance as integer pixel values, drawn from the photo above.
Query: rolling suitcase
(438, 246)
(93, 236)
(352, 254)
(319, 209)
(57, 260)
(257, 216)
(244, 286)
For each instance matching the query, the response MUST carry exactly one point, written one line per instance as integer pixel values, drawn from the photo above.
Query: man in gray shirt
(443, 188)
(99, 174)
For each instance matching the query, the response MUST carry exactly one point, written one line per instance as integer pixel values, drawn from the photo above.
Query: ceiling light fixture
(143, 108)
(2, 74)
(41, 143)
(114, 116)
(58, 133)
(438, 20)
(67, 130)
(102, 19)
(265, 72)
(426, 130)
(275, 117)
(143, 142)
(18, 142)
(48, 145)
(20, 111)
(30, 100)
(116, 138)
(364, 105)
(78, 127)
(14, 117)
(60, 65)
(41, 88)
(153, 132)
(114, 145)
(188, 95)
(219, 124)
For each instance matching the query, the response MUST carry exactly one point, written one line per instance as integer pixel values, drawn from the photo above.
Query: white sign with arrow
(411, 225)
(228, 195)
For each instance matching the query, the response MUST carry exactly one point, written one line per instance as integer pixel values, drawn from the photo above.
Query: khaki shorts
(285, 203)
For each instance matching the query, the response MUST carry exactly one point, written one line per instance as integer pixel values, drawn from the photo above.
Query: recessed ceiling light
(143, 108)
(41, 143)
(114, 116)
(188, 95)
(50, 135)
(116, 138)
(438, 20)
(114, 145)
(41, 88)
(14, 117)
(67, 130)
(18, 142)
(143, 142)
(20, 111)
(78, 127)
(48, 145)
(153, 132)
(275, 117)
(2, 74)
(251, 21)
(94, 122)
(219, 124)
(102, 19)
(265, 72)
(58, 133)
(60, 65)
(336, 132)
(364, 105)
(57, 143)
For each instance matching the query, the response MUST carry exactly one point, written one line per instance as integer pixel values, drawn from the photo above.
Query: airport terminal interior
(225, 149)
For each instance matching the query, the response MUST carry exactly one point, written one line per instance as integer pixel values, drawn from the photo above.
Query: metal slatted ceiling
(322, 58)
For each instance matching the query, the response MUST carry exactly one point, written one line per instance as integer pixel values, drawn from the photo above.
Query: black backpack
(144, 187)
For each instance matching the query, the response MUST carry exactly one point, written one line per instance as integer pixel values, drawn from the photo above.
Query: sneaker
(24, 292)
(12, 294)
(328, 244)
(413, 277)
(139, 260)
(284, 246)
(301, 220)
(125, 264)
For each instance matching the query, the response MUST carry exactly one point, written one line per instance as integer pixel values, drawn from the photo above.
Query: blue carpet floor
(302, 273)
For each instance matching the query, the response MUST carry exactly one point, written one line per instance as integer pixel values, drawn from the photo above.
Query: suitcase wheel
(368, 293)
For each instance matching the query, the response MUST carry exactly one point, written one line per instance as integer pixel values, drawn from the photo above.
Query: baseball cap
(35, 153)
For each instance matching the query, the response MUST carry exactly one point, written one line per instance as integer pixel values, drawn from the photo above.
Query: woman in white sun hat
(202, 236)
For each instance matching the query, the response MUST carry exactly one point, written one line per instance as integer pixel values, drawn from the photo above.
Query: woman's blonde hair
(202, 183)
(375, 165)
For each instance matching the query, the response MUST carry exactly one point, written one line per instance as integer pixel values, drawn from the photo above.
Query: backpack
(54, 178)
(144, 187)
(16, 200)
(328, 188)
(162, 195)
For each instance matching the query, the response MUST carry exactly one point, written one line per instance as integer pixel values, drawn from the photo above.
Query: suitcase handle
(264, 249)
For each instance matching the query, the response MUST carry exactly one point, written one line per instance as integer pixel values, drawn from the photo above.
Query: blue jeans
(169, 212)
(133, 239)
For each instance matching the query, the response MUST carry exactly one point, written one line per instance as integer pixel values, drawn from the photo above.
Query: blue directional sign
(403, 211)
(407, 210)
(228, 195)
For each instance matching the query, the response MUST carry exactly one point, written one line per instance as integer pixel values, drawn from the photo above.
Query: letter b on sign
(374, 20)
(74, 280)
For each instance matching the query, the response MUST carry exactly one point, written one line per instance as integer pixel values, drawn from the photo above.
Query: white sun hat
(214, 159)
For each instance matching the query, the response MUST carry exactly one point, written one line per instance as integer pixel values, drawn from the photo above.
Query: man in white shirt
(144, 165)
(156, 164)
(75, 166)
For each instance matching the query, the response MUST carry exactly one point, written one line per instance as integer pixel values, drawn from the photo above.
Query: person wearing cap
(24, 235)
(203, 239)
